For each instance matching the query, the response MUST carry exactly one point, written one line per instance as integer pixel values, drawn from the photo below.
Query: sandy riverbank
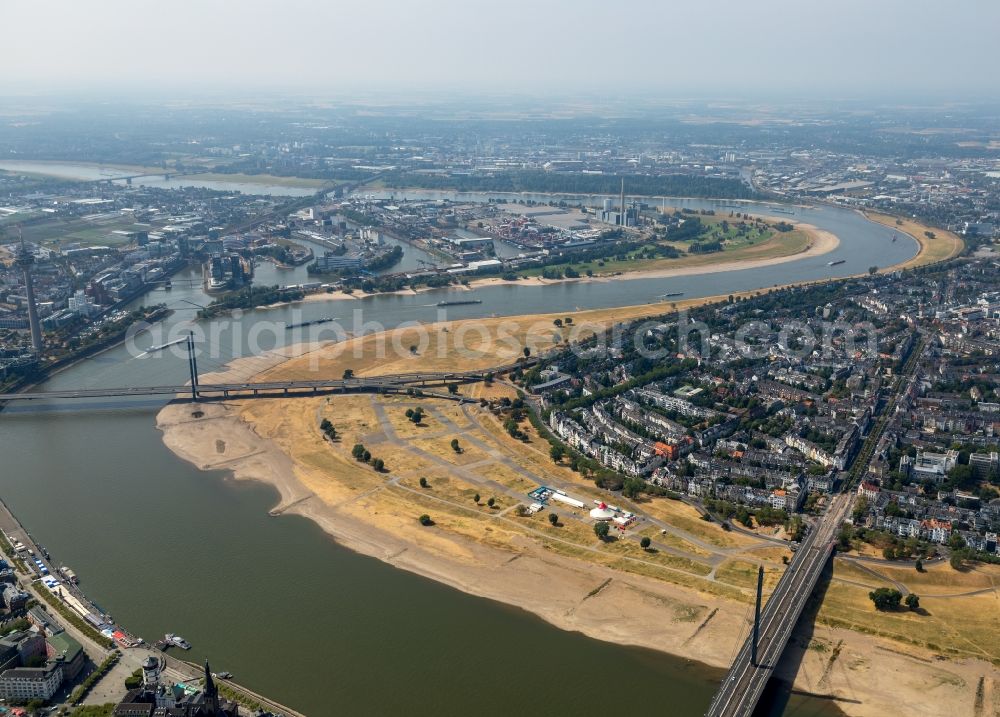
(867, 676)
(935, 244)
(627, 609)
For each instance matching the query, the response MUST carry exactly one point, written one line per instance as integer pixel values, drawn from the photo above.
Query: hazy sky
(705, 47)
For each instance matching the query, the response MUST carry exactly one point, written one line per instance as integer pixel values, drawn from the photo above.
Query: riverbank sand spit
(870, 676)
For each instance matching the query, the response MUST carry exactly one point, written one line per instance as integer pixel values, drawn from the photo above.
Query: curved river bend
(167, 548)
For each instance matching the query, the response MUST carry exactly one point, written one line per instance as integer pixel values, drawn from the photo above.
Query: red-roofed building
(868, 491)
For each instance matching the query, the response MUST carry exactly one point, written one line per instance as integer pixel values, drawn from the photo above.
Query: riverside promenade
(132, 656)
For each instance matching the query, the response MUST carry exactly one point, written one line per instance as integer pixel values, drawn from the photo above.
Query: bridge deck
(281, 387)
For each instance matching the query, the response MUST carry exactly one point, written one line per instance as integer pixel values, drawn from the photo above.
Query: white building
(31, 683)
(81, 304)
(929, 465)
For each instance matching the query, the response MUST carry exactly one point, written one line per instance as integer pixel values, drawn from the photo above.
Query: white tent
(602, 512)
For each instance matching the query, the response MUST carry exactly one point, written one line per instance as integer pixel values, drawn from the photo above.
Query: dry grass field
(959, 609)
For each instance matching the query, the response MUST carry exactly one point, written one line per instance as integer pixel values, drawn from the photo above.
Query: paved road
(276, 388)
(745, 681)
(271, 388)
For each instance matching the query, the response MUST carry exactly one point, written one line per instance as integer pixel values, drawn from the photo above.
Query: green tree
(378, 464)
(601, 530)
(645, 543)
(912, 601)
(957, 559)
(556, 453)
(962, 476)
(475, 499)
(553, 519)
(633, 487)
(134, 680)
(796, 528)
(425, 519)
(510, 425)
(454, 445)
(885, 598)
(423, 482)
(844, 538)
(348, 373)
(491, 502)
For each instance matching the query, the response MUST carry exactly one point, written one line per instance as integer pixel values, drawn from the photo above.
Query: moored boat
(172, 640)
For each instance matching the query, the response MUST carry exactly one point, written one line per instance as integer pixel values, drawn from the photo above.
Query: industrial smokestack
(623, 222)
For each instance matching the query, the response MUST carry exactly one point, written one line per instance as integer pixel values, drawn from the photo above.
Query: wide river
(167, 548)
(90, 172)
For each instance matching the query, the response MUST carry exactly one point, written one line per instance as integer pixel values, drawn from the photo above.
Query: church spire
(211, 691)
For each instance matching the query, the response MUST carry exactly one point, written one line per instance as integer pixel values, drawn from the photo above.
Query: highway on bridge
(388, 382)
(744, 683)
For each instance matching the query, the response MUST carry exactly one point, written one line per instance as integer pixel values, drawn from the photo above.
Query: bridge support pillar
(756, 616)
(192, 366)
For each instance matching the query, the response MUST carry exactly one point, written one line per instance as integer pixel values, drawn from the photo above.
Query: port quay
(37, 572)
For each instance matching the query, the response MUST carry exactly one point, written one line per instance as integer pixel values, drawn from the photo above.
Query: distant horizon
(643, 97)
(481, 99)
(895, 50)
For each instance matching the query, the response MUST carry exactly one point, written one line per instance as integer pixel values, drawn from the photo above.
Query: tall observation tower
(25, 259)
